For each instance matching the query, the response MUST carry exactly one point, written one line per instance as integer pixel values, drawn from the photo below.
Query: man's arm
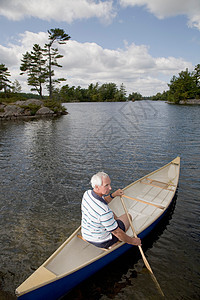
(122, 236)
(109, 198)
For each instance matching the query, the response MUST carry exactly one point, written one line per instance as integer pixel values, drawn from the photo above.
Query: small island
(30, 109)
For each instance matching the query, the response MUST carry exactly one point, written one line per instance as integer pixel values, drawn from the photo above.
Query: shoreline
(28, 110)
(187, 102)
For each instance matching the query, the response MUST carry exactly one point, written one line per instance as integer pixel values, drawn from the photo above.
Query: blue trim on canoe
(60, 287)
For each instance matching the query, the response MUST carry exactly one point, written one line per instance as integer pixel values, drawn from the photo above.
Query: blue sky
(140, 43)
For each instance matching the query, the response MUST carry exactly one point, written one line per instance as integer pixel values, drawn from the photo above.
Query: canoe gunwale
(150, 174)
(58, 277)
(176, 162)
(145, 231)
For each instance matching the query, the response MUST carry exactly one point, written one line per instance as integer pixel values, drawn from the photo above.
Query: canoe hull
(59, 288)
(56, 287)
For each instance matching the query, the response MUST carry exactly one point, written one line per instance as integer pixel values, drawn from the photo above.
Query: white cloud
(134, 66)
(85, 63)
(59, 10)
(11, 55)
(8, 56)
(69, 11)
(170, 8)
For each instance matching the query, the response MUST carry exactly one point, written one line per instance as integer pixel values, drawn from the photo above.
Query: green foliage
(34, 65)
(107, 92)
(11, 97)
(55, 35)
(196, 75)
(134, 97)
(39, 63)
(58, 35)
(160, 96)
(33, 108)
(16, 88)
(54, 106)
(93, 92)
(4, 81)
(182, 87)
(25, 96)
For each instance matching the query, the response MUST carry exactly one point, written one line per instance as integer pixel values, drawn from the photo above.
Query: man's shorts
(114, 239)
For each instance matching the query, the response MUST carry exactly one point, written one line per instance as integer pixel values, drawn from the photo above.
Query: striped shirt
(97, 218)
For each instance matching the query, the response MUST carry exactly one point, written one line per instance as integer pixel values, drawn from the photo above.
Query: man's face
(105, 188)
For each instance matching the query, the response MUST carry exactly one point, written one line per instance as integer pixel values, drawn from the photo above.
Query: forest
(185, 86)
(39, 66)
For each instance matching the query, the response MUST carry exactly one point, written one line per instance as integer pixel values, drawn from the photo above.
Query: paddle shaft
(140, 248)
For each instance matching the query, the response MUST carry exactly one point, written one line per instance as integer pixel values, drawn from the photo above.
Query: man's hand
(136, 242)
(118, 192)
(122, 236)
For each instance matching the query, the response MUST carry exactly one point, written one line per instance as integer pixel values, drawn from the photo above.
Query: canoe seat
(80, 237)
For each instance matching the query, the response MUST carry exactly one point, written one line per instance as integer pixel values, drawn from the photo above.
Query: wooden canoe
(146, 199)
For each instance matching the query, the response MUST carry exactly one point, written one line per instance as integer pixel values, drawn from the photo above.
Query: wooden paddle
(141, 251)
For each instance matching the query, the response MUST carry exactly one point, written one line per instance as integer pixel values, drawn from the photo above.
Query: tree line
(39, 66)
(94, 93)
(182, 87)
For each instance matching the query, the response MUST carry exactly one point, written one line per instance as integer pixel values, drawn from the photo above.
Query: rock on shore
(187, 102)
(190, 101)
(31, 108)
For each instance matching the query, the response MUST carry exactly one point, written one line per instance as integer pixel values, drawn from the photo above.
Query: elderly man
(99, 224)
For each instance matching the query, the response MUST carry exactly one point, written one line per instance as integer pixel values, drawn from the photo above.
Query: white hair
(97, 179)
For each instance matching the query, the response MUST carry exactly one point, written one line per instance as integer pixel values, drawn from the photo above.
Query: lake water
(46, 166)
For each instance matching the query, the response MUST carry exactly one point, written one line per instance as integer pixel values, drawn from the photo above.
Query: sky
(140, 43)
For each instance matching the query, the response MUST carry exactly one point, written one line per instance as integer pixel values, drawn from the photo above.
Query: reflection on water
(46, 166)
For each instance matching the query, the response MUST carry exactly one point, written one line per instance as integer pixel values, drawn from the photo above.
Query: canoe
(147, 200)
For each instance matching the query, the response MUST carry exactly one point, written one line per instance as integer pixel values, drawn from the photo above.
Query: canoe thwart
(145, 202)
(159, 184)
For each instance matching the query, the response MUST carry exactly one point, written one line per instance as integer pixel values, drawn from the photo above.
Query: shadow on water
(120, 274)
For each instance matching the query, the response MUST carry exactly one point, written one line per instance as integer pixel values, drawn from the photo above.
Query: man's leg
(125, 220)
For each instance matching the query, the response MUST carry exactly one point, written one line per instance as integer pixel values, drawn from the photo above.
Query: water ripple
(46, 166)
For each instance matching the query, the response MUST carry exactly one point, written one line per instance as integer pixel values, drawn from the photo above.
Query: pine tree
(182, 87)
(197, 79)
(52, 54)
(16, 88)
(4, 81)
(34, 65)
